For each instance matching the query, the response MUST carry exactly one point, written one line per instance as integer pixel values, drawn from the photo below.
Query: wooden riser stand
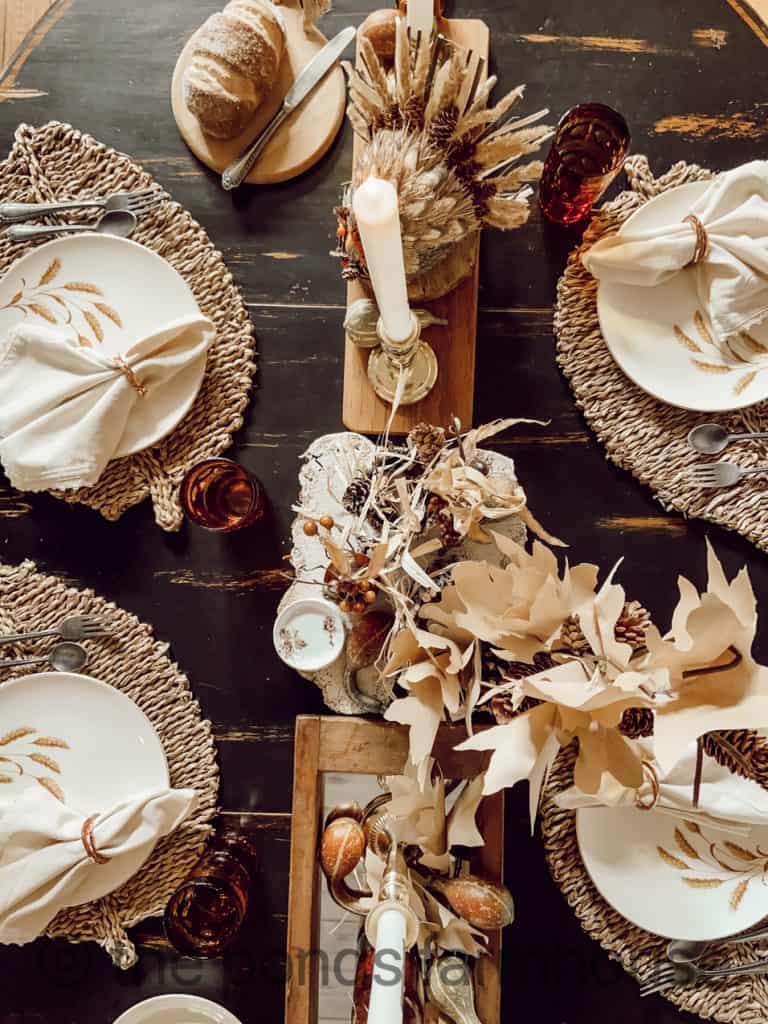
(357, 746)
(453, 395)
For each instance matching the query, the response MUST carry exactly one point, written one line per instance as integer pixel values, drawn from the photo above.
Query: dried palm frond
(455, 161)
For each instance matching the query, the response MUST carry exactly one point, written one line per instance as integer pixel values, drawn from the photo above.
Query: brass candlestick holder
(390, 358)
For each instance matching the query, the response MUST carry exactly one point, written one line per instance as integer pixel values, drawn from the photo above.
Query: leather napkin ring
(643, 803)
(133, 380)
(89, 843)
(702, 240)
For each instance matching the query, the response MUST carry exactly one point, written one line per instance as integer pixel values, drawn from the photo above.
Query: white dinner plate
(108, 292)
(656, 337)
(88, 742)
(177, 1009)
(672, 881)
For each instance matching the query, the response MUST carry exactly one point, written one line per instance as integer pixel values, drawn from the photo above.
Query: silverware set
(713, 439)
(681, 966)
(68, 655)
(120, 215)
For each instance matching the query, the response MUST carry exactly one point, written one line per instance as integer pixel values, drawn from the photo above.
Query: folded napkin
(51, 857)
(65, 408)
(732, 272)
(727, 802)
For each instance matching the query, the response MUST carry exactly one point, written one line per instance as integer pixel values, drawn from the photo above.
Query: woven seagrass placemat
(59, 162)
(640, 433)
(132, 661)
(737, 1001)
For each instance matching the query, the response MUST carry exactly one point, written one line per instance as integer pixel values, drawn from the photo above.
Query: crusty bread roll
(234, 65)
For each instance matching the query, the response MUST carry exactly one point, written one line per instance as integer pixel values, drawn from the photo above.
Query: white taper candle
(386, 1006)
(377, 213)
(420, 16)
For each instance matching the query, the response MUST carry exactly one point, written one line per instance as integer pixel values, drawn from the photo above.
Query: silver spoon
(683, 951)
(64, 657)
(711, 438)
(121, 223)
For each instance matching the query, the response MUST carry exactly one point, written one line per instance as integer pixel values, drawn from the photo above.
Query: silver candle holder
(390, 358)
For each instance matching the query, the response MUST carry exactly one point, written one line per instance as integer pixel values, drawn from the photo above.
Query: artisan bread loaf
(235, 62)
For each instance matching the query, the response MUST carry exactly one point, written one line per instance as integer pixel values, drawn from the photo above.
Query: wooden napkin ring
(89, 842)
(702, 240)
(133, 380)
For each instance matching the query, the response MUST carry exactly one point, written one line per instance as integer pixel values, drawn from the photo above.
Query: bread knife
(311, 76)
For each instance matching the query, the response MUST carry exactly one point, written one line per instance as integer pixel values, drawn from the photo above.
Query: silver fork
(117, 204)
(665, 975)
(722, 474)
(133, 201)
(75, 628)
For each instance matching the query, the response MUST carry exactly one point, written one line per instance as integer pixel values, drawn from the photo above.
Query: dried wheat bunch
(455, 161)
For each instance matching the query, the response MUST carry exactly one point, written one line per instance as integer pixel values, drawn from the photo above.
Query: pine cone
(736, 750)
(502, 706)
(571, 639)
(636, 723)
(496, 670)
(356, 494)
(449, 535)
(443, 127)
(632, 625)
(427, 441)
(630, 629)
(413, 113)
(759, 762)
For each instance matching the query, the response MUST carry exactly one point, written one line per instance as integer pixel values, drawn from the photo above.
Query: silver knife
(311, 76)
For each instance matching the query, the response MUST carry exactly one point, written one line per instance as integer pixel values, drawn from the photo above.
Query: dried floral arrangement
(427, 127)
(530, 654)
(433, 820)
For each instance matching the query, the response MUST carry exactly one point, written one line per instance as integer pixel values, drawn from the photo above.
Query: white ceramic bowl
(177, 1009)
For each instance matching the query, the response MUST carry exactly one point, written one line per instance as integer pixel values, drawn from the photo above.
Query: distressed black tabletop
(689, 78)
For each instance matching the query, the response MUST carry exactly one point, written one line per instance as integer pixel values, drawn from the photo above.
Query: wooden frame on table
(360, 747)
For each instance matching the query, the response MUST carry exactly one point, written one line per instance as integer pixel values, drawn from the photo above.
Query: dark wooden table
(689, 77)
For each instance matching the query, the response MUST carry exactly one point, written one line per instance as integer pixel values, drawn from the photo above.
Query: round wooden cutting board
(303, 138)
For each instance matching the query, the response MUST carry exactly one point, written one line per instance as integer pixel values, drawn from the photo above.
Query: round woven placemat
(739, 1001)
(134, 662)
(640, 433)
(59, 162)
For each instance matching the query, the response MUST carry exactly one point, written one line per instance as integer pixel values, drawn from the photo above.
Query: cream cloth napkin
(727, 802)
(732, 279)
(64, 409)
(44, 865)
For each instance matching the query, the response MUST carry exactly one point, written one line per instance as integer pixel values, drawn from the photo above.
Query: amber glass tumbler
(204, 915)
(587, 153)
(220, 495)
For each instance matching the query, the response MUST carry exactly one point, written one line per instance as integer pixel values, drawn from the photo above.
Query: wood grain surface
(692, 68)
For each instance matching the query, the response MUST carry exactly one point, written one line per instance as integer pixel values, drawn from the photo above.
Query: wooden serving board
(305, 136)
(453, 395)
(358, 746)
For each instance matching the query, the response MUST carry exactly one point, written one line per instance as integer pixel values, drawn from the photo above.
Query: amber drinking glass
(220, 495)
(204, 915)
(587, 153)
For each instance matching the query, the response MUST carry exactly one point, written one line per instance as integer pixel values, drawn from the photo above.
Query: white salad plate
(177, 1009)
(89, 744)
(670, 880)
(662, 340)
(106, 292)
